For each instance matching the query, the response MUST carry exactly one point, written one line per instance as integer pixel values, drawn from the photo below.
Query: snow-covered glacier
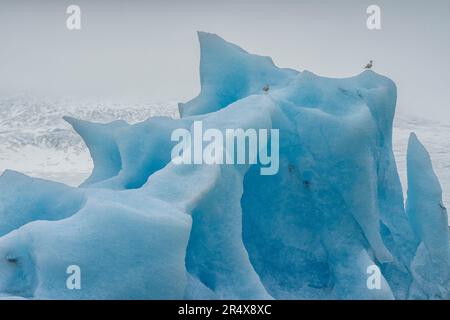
(143, 227)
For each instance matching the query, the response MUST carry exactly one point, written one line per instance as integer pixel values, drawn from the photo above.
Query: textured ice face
(143, 227)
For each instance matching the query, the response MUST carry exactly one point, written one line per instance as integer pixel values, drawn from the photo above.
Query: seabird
(369, 65)
(266, 88)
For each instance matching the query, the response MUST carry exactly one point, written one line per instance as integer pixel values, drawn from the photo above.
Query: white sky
(149, 48)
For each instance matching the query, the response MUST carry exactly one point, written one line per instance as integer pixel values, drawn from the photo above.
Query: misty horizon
(149, 48)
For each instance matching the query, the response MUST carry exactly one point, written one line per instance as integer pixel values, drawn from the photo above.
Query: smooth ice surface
(428, 217)
(143, 227)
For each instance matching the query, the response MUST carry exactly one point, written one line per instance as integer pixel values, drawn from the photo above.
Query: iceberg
(143, 227)
(428, 218)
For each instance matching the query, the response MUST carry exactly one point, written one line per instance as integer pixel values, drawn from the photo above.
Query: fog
(150, 49)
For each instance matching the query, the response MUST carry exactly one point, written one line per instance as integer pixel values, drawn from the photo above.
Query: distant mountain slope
(34, 138)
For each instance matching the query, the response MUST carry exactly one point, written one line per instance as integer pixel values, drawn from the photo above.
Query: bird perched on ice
(369, 65)
(266, 88)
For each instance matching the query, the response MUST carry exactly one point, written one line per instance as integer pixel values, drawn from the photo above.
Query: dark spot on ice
(12, 260)
(345, 91)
